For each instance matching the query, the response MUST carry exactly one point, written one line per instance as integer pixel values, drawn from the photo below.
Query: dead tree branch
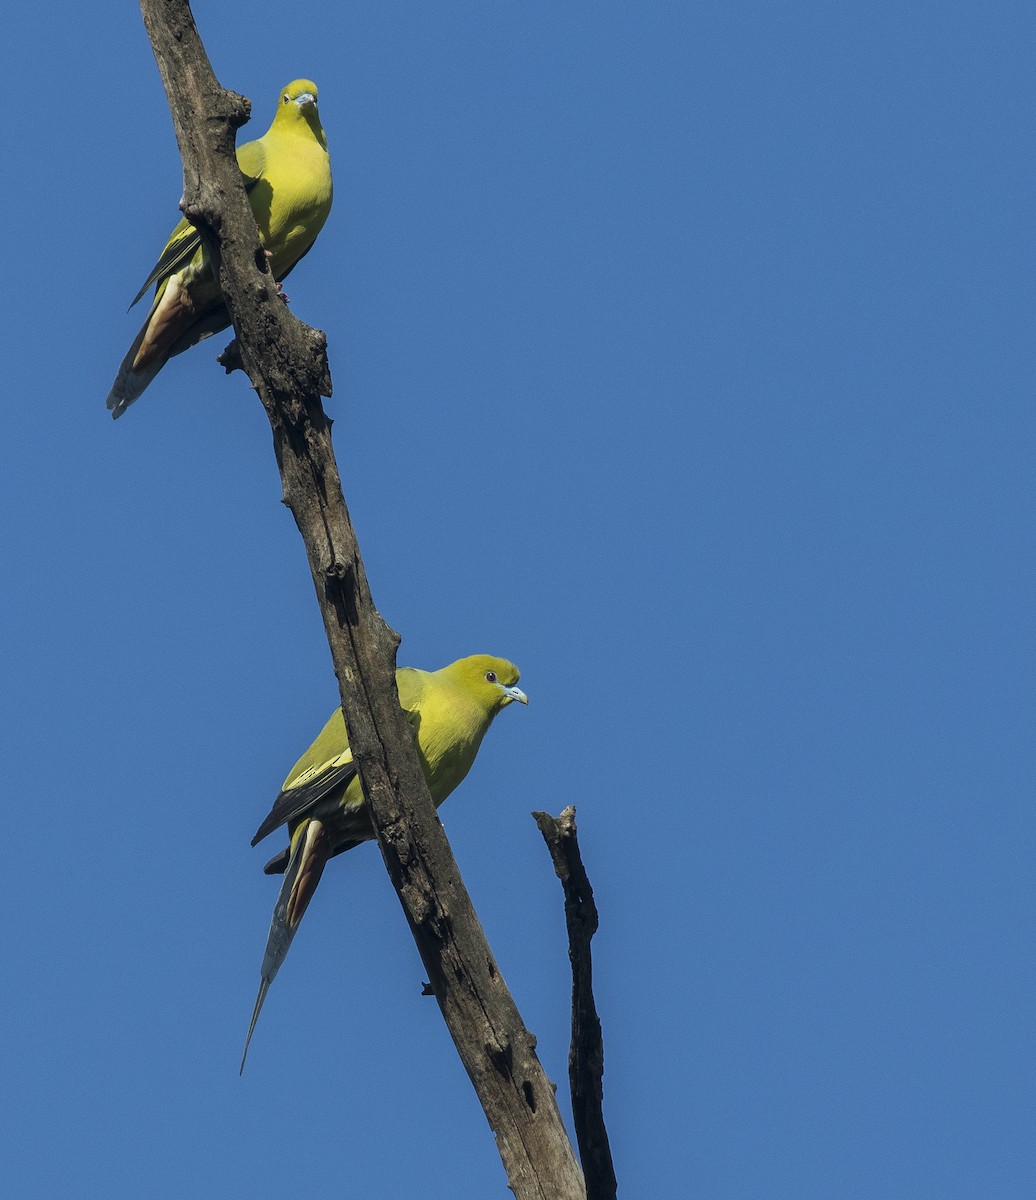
(586, 1054)
(287, 366)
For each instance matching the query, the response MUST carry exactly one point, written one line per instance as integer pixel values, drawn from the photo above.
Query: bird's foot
(280, 290)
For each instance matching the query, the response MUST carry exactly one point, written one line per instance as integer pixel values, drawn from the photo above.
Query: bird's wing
(251, 158)
(179, 250)
(327, 766)
(306, 790)
(185, 240)
(411, 685)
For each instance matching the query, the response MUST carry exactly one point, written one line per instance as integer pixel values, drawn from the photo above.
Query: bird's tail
(130, 383)
(178, 320)
(311, 847)
(264, 987)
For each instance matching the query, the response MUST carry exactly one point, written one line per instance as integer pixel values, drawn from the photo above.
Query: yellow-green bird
(288, 179)
(322, 804)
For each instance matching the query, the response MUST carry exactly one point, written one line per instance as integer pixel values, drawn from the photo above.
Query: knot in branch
(204, 214)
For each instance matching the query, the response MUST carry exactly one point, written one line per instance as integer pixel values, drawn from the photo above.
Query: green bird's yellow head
(298, 102)
(489, 681)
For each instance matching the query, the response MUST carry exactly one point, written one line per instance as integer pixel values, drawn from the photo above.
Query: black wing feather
(297, 801)
(180, 250)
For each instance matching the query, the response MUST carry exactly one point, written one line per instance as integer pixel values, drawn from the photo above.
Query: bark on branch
(287, 365)
(586, 1053)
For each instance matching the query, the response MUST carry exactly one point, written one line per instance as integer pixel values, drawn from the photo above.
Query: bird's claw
(280, 290)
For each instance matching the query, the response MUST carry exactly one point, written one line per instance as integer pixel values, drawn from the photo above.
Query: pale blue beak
(516, 693)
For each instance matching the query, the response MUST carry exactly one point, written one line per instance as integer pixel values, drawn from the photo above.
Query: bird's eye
(490, 677)
(287, 98)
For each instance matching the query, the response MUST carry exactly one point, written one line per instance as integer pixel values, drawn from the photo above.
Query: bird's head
(298, 102)
(301, 92)
(491, 681)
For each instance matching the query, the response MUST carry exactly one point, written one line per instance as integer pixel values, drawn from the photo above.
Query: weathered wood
(287, 365)
(586, 1054)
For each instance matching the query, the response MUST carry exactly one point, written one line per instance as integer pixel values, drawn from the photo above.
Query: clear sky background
(683, 354)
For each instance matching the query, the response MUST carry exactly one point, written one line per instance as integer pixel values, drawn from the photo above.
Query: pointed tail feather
(310, 850)
(264, 987)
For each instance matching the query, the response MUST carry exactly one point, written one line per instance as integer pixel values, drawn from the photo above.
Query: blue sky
(682, 354)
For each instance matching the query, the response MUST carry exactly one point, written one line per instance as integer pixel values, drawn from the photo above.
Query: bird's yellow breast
(448, 737)
(292, 199)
